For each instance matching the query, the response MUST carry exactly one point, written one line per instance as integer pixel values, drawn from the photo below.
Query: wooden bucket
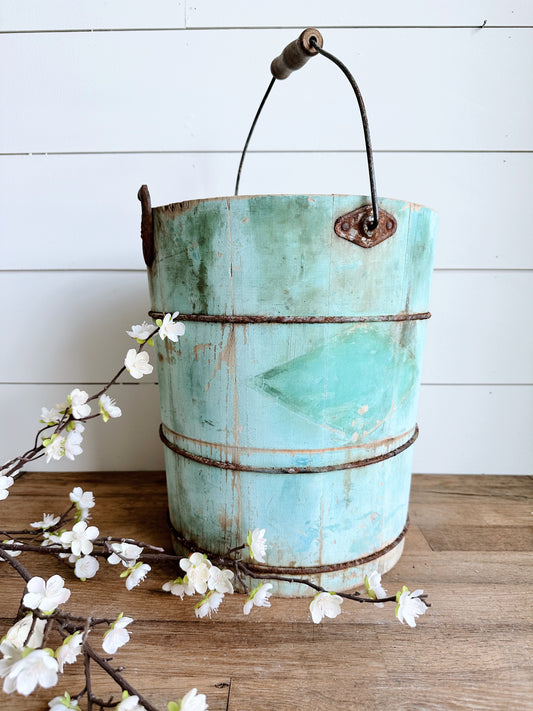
(290, 402)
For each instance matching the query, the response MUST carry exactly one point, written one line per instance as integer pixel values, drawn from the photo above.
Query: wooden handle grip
(296, 54)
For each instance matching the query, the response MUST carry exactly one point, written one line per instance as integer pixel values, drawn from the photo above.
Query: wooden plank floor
(469, 546)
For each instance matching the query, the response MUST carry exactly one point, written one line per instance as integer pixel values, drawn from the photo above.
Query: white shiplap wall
(99, 97)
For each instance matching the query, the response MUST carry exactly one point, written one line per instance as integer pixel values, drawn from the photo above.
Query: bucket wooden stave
(290, 402)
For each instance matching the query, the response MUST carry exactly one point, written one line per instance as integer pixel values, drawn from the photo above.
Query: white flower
(78, 402)
(141, 332)
(129, 552)
(5, 483)
(325, 604)
(137, 363)
(257, 544)
(45, 596)
(72, 445)
(75, 426)
(258, 597)
(18, 634)
(60, 703)
(209, 604)
(117, 635)
(374, 589)
(51, 539)
(80, 538)
(197, 568)
(47, 521)
(12, 552)
(86, 567)
(69, 650)
(50, 416)
(129, 703)
(82, 499)
(12, 654)
(409, 606)
(169, 329)
(192, 701)
(38, 668)
(108, 407)
(54, 447)
(135, 574)
(220, 580)
(179, 586)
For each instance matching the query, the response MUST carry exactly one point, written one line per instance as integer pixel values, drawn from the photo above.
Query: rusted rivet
(345, 226)
(390, 225)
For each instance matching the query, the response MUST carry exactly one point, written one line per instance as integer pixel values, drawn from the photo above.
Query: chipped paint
(199, 348)
(291, 394)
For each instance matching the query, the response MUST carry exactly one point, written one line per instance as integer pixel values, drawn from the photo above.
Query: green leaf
(173, 706)
(400, 592)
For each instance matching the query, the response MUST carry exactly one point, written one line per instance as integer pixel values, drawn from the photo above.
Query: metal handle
(297, 53)
(366, 231)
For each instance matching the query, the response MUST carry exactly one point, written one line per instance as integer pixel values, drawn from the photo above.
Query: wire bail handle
(364, 226)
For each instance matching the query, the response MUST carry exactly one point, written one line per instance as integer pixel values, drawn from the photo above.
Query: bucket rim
(185, 205)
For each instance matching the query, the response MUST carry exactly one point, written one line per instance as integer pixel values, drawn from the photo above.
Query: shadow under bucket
(290, 402)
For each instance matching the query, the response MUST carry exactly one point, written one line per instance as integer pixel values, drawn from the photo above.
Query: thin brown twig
(124, 685)
(14, 563)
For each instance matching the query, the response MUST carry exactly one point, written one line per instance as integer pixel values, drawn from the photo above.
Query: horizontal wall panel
(81, 211)
(480, 330)
(129, 442)
(475, 430)
(463, 430)
(178, 90)
(78, 325)
(70, 326)
(53, 15)
(28, 15)
(388, 13)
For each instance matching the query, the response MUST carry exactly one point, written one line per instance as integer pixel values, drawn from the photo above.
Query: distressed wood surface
(469, 651)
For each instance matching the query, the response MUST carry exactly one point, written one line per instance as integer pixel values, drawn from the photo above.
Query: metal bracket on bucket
(354, 226)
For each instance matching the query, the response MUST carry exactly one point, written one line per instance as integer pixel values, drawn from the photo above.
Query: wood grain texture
(133, 91)
(469, 651)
